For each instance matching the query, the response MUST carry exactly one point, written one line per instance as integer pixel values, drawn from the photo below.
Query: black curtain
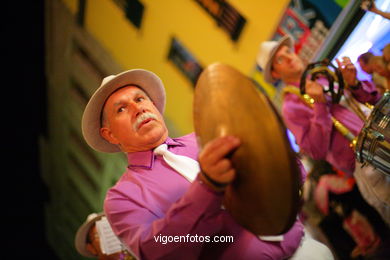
(24, 103)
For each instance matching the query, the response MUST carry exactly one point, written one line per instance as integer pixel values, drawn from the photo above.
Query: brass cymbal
(264, 197)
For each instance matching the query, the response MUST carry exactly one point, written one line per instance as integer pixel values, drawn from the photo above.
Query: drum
(373, 142)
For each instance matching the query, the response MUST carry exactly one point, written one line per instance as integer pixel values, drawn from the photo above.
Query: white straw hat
(267, 52)
(82, 234)
(91, 121)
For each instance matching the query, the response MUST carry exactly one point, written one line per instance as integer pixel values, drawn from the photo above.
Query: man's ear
(106, 133)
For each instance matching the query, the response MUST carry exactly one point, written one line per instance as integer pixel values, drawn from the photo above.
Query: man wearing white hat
(313, 127)
(95, 239)
(161, 208)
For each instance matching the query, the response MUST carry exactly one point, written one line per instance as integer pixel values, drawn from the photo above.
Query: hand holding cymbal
(264, 195)
(217, 169)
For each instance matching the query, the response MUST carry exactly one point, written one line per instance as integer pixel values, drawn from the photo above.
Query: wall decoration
(226, 16)
(308, 22)
(133, 9)
(184, 61)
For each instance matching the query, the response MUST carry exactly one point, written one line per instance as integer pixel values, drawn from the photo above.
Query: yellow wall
(185, 19)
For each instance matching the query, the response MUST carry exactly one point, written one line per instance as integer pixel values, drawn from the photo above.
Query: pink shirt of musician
(152, 200)
(313, 128)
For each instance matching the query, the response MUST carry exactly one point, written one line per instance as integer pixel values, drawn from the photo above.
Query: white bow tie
(184, 165)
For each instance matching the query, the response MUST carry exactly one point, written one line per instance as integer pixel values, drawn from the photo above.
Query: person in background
(364, 63)
(313, 124)
(386, 53)
(353, 227)
(88, 243)
(369, 5)
(156, 199)
(378, 65)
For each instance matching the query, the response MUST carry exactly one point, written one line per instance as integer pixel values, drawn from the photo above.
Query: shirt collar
(145, 159)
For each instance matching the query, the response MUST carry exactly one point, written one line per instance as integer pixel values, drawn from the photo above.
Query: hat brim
(146, 80)
(82, 234)
(285, 40)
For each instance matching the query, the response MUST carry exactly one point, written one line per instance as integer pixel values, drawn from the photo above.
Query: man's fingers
(222, 166)
(219, 148)
(338, 63)
(227, 176)
(345, 63)
(346, 59)
(213, 159)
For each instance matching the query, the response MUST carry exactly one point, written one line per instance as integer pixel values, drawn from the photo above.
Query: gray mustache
(142, 118)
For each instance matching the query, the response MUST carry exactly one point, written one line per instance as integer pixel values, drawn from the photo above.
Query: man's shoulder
(189, 138)
(188, 145)
(125, 181)
(291, 94)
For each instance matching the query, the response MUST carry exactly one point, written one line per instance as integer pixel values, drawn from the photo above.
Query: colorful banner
(308, 22)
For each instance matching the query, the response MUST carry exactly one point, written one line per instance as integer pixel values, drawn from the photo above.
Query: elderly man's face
(286, 64)
(132, 121)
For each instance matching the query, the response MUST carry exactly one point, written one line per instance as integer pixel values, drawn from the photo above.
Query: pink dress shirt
(151, 199)
(313, 128)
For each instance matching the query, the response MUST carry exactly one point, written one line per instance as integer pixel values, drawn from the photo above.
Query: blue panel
(328, 9)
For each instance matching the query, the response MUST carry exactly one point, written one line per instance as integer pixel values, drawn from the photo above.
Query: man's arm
(369, 5)
(145, 230)
(364, 92)
(311, 127)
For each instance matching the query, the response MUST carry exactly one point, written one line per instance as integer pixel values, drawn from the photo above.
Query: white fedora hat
(91, 121)
(267, 52)
(82, 234)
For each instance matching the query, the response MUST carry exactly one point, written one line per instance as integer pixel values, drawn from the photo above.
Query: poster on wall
(308, 22)
(226, 16)
(184, 61)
